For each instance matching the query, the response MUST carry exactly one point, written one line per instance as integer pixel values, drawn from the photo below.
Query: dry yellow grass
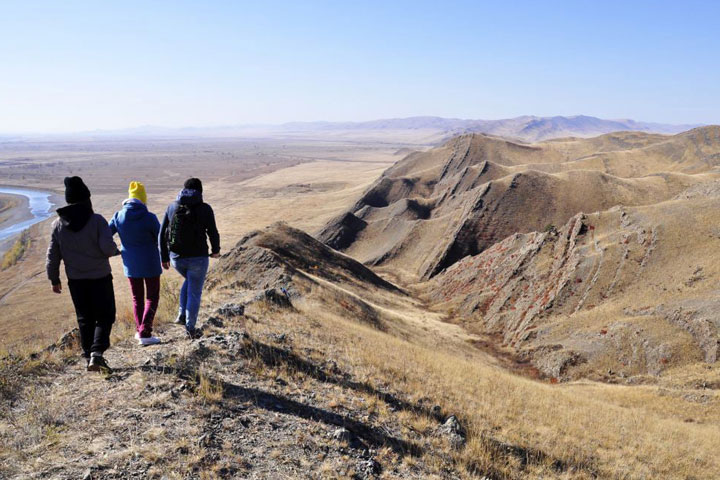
(573, 430)
(665, 427)
(592, 428)
(16, 252)
(208, 390)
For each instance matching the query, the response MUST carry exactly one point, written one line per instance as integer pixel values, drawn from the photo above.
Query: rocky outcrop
(518, 288)
(526, 276)
(696, 316)
(283, 267)
(342, 231)
(453, 431)
(271, 258)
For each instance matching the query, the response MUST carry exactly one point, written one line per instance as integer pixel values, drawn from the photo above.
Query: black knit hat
(193, 184)
(75, 190)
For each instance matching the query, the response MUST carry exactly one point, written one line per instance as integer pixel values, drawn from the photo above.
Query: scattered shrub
(16, 252)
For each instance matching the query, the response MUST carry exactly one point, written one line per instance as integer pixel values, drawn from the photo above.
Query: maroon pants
(145, 310)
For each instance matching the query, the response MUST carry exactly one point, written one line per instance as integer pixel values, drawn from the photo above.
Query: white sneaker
(137, 335)
(149, 341)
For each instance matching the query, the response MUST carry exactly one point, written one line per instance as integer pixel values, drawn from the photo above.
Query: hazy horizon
(82, 66)
(259, 126)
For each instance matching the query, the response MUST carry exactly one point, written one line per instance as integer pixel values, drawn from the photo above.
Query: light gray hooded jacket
(83, 240)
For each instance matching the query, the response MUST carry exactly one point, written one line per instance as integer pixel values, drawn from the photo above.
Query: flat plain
(249, 183)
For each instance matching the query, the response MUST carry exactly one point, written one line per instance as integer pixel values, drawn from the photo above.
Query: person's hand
(166, 265)
(57, 288)
(215, 255)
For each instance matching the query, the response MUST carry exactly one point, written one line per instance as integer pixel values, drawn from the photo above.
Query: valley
(555, 297)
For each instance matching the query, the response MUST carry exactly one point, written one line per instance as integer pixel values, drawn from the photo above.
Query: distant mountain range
(526, 128)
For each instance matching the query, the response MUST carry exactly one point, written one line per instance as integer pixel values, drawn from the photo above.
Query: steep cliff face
(626, 290)
(516, 283)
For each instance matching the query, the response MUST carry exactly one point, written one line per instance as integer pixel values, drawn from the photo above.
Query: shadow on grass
(369, 436)
(273, 356)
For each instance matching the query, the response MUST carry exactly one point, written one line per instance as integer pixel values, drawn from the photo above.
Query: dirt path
(230, 404)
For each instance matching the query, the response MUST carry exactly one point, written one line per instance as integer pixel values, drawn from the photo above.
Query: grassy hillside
(288, 389)
(569, 331)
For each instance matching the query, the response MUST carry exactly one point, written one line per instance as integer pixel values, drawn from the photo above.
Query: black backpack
(184, 228)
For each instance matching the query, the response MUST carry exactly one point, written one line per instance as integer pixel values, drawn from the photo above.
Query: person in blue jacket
(139, 229)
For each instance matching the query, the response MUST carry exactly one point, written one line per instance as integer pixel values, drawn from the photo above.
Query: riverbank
(13, 209)
(21, 208)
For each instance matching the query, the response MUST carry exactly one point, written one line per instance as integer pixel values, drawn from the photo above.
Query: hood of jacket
(189, 196)
(134, 208)
(76, 215)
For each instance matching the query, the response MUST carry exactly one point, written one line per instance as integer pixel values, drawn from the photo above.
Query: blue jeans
(193, 269)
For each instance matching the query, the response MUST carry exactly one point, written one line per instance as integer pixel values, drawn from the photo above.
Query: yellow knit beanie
(137, 190)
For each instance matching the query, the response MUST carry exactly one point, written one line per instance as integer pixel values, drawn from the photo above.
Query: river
(40, 209)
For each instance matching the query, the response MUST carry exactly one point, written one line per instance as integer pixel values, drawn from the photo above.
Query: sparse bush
(124, 326)
(550, 228)
(18, 365)
(16, 252)
(207, 389)
(169, 300)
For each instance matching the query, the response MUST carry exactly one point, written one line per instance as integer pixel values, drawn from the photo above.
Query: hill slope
(607, 292)
(502, 238)
(277, 389)
(433, 208)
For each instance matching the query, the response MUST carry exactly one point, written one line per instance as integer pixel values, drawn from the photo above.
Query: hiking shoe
(145, 341)
(180, 320)
(193, 334)
(98, 364)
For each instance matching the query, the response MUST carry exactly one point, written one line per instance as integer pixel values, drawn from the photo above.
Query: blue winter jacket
(138, 229)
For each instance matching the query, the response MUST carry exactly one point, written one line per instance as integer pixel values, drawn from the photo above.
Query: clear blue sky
(78, 65)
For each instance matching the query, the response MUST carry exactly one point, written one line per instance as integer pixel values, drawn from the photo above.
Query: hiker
(187, 225)
(83, 240)
(139, 229)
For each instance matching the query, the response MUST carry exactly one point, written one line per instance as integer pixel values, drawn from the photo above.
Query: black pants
(94, 302)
